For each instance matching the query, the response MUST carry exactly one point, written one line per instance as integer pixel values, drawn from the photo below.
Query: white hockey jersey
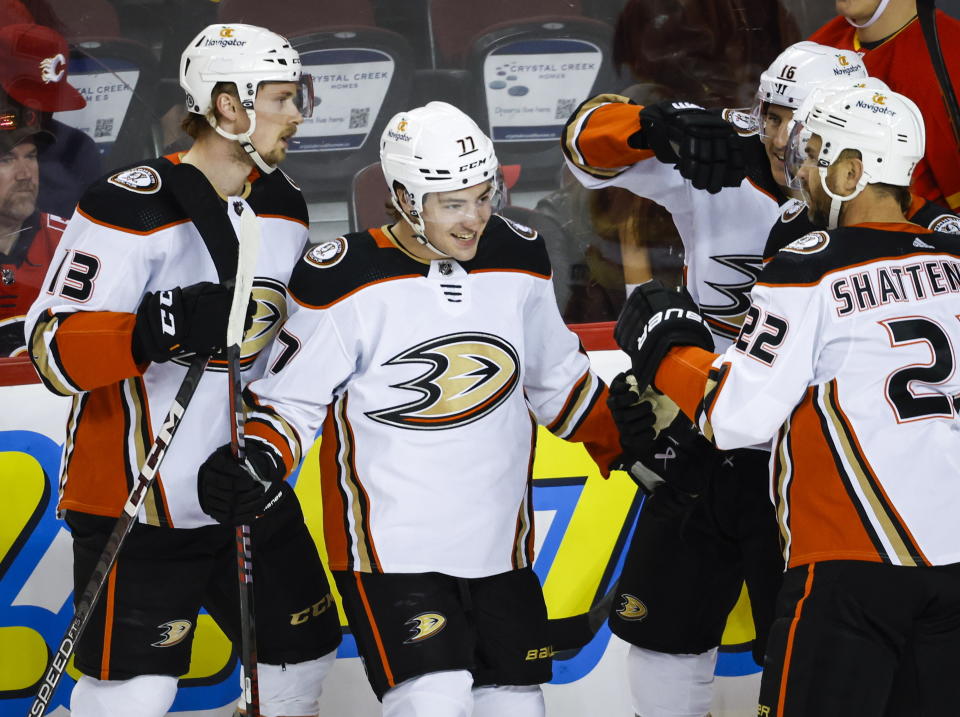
(723, 234)
(848, 357)
(129, 237)
(428, 379)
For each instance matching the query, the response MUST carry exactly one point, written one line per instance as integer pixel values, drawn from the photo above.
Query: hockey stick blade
(108, 557)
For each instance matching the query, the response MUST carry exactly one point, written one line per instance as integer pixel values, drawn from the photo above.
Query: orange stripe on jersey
(108, 621)
(602, 140)
(885, 513)
(375, 630)
(511, 271)
(94, 347)
(895, 227)
(128, 230)
(354, 291)
(916, 204)
(823, 521)
(335, 536)
(284, 216)
(381, 239)
(762, 190)
(368, 551)
(98, 465)
(572, 399)
(875, 260)
(265, 432)
(791, 638)
(683, 376)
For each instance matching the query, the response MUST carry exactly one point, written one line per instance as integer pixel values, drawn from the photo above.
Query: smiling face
(453, 221)
(277, 120)
(775, 120)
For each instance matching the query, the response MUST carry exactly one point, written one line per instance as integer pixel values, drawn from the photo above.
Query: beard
(20, 202)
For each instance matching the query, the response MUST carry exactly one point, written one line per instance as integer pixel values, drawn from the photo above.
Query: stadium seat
(361, 77)
(528, 66)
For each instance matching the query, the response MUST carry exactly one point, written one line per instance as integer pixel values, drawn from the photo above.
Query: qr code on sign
(103, 128)
(565, 108)
(359, 118)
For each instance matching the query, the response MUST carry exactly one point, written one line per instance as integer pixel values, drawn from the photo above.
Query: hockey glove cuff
(653, 320)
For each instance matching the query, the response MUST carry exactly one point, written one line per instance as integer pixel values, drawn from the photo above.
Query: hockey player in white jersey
(846, 360)
(132, 294)
(429, 350)
(721, 176)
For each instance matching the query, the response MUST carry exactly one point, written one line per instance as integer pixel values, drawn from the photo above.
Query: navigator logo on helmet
(884, 127)
(435, 148)
(798, 70)
(246, 56)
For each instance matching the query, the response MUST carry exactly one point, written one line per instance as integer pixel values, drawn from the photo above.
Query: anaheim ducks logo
(470, 375)
(174, 632)
(946, 223)
(327, 254)
(808, 243)
(424, 625)
(632, 608)
(792, 209)
(142, 180)
(271, 311)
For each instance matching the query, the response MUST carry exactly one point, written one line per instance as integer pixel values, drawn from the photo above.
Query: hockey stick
(927, 14)
(108, 557)
(249, 247)
(205, 208)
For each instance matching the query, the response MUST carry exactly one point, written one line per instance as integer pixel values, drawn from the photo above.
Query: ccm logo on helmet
(473, 164)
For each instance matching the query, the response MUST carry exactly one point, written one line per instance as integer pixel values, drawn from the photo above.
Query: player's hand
(191, 319)
(678, 455)
(653, 320)
(236, 493)
(702, 145)
(634, 418)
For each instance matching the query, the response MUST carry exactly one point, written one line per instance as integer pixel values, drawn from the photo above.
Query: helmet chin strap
(836, 201)
(419, 230)
(873, 18)
(244, 139)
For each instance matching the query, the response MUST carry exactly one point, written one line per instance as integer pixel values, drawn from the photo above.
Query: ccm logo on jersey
(632, 608)
(424, 625)
(174, 632)
(469, 376)
(327, 254)
(809, 243)
(143, 180)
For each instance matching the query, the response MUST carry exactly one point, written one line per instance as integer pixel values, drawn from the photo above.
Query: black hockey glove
(235, 493)
(192, 319)
(678, 455)
(700, 144)
(653, 320)
(634, 418)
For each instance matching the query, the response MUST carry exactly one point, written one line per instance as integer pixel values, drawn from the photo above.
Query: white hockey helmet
(799, 69)
(247, 56)
(435, 148)
(885, 127)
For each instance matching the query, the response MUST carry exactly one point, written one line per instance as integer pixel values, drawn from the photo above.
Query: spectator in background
(887, 34)
(33, 73)
(27, 237)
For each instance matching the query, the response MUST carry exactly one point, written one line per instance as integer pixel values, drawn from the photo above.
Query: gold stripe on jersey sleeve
(856, 468)
(782, 479)
(359, 503)
(44, 360)
(562, 426)
(576, 124)
(73, 420)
